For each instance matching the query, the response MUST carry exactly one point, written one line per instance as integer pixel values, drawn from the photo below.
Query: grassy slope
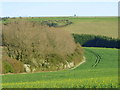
(103, 75)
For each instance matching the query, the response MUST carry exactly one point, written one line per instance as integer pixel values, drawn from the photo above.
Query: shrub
(7, 68)
(11, 65)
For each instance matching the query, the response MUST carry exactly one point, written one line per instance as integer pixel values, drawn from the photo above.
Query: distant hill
(106, 26)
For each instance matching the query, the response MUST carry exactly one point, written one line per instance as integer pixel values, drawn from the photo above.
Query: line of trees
(56, 23)
(96, 41)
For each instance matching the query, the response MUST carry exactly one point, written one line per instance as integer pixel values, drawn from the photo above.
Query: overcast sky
(24, 9)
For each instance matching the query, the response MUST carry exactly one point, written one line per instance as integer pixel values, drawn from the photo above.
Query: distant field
(99, 71)
(107, 26)
(96, 26)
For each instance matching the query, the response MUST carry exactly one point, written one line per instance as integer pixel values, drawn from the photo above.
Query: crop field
(99, 71)
(106, 26)
(97, 26)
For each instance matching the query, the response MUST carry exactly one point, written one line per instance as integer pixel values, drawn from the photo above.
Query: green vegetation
(7, 67)
(56, 23)
(10, 65)
(78, 19)
(44, 44)
(103, 75)
(96, 41)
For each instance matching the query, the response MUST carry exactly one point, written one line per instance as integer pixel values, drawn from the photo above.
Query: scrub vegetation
(42, 47)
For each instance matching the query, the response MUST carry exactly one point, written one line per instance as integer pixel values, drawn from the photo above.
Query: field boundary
(84, 60)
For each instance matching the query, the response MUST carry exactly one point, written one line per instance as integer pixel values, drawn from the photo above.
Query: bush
(10, 65)
(7, 68)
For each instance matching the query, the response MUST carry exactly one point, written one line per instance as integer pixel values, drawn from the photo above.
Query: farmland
(99, 71)
(106, 26)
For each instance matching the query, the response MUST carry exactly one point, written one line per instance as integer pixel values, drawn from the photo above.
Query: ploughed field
(99, 71)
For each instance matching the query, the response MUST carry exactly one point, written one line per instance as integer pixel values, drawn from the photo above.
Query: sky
(35, 9)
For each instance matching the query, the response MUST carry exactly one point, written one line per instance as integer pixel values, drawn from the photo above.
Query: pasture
(99, 71)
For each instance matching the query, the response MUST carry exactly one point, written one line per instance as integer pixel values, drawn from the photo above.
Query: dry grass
(104, 28)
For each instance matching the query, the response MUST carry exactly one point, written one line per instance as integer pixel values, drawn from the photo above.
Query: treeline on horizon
(96, 41)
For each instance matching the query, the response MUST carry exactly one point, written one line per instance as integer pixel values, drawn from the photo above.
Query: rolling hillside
(105, 26)
(99, 71)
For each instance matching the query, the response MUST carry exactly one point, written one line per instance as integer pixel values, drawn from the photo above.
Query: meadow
(99, 71)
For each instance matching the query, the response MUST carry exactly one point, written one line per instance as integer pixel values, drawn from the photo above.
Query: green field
(106, 26)
(99, 71)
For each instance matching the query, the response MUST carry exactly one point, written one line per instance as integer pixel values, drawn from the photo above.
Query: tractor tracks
(98, 57)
